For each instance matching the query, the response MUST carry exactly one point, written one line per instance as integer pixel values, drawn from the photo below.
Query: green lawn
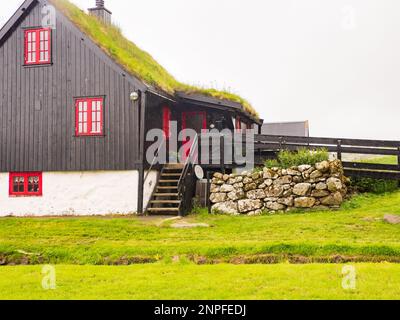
(355, 233)
(382, 160)
(186, 281)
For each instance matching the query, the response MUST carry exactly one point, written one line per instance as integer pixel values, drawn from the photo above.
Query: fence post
(199, 159)
(222, 153)
(398, 164)
(339, 150)
(208, 193)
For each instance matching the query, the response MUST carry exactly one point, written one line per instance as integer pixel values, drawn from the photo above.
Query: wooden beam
(142, 136)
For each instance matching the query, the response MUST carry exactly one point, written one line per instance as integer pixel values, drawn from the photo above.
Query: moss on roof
(136, 61)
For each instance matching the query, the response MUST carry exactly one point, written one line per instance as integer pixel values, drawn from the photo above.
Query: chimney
(101, 12)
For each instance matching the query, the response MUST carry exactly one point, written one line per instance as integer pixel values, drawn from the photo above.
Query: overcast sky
(335, 63)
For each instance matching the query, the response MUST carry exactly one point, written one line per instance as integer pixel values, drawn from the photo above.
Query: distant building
(298, 128)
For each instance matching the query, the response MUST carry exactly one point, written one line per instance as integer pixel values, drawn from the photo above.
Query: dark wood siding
(37, 115)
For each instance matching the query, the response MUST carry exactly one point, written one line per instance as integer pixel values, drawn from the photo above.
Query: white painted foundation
(79, 194)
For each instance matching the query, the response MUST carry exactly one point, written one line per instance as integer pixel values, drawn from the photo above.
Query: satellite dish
(199, 172)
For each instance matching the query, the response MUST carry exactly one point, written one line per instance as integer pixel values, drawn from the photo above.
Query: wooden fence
(266, 146)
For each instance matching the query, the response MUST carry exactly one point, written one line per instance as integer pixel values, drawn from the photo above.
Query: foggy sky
(332, 62)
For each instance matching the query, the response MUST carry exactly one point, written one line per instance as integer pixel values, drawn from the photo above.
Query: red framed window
(89, 116)
(166, 122)
(25, 184)
(38, 46)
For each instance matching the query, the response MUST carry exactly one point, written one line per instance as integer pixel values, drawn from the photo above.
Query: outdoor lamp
(134, 96)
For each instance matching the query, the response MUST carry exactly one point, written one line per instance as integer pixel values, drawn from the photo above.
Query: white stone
(304, 167)
(229, 207)
(256, 194)
(249, 205)
(226, 188)
(301, 189)
(334, 184)
(304, 202)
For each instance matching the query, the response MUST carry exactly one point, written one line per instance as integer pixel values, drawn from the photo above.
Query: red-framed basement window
(25, 184)
(38, 46)
(89, 117)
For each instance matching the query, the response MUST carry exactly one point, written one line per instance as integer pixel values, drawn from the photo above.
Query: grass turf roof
(136, 61)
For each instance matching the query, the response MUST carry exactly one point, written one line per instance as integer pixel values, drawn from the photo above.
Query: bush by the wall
(287, 159)
(374, 185)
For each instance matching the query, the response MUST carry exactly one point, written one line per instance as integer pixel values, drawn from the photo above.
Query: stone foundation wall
(321, 186)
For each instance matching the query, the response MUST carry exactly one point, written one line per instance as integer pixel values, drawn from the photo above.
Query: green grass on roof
(133, 59)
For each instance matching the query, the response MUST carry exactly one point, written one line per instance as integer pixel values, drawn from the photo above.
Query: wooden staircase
(166, 199)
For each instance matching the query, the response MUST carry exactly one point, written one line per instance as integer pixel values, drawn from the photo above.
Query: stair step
(174, 166)
(168, 188)
(163, 209)
(165, 201)
(168, 181)
(171, 174)
(166, 194)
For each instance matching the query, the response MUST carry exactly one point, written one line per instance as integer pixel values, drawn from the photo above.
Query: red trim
(238, 124)
(23, 190)
(36, 50)
(84, 117)
(166, 122)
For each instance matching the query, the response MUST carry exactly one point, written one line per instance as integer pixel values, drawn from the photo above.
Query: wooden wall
(37, 118)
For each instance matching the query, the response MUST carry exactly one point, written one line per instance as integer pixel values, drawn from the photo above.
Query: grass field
(381, 160)
(266, 257)
(186, 281)
(357, 232)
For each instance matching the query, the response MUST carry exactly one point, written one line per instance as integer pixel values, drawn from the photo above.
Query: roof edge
(14, 19)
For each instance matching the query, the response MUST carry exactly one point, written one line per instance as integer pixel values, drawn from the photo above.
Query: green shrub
(287, 159)
(374, 185)
(271, 163)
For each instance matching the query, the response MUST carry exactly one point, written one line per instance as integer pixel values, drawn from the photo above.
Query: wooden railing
(267, 146)
(187, 182)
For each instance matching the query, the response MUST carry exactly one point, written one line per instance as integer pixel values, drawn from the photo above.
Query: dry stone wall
(275, 189)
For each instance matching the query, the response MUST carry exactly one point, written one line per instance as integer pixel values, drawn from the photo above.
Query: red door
(197, 121)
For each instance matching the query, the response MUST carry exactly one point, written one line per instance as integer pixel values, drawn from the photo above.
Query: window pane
(18, 184)
(29, 36)
(33, 184)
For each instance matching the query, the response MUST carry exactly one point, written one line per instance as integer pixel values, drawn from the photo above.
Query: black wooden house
(73, 120)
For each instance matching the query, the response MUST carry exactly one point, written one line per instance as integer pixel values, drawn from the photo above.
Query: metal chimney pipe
(100, 3)
(101, 12)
